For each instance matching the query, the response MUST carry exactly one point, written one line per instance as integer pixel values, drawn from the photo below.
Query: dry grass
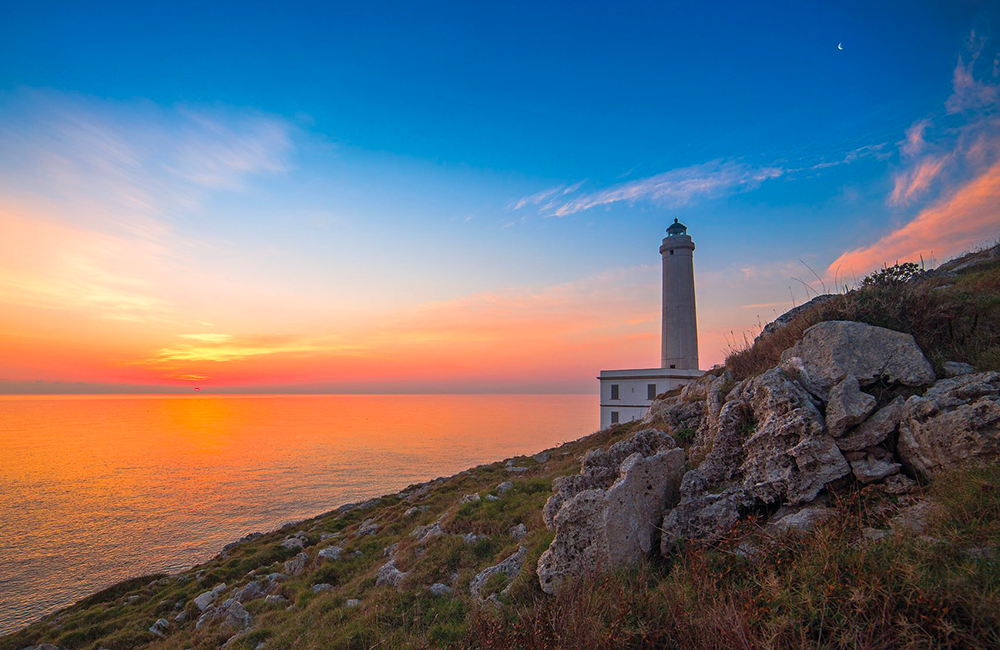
(830, 590)
(951, 318)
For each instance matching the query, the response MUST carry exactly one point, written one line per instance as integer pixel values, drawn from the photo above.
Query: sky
(461, 197)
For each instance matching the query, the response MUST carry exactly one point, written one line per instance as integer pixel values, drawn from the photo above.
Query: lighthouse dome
(676, 228)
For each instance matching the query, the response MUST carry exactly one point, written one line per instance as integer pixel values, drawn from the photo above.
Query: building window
(673, 366)
(671, 251)
(614, 393)
(614, 417)
(650, 391)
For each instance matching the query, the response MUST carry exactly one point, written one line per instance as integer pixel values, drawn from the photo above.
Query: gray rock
(160, 627)
(875, 429)
(830, 351)
(915, 518)
(411, 511)
(600, 468)
(207, 598)
(542, 457)
(230, 615)
(389, 574)
(330, 553)
(898, 484)
(134, 598)
(276, 577)
(469, 498)
(274, 599)
(352, 603)
(325, 536)
(471, 538)
(517, 470)
(504, 487)
(296, 565)
(509, 568)
(957, 368)
(367, 527)
(251, 591)
(323, 586)
(181, 618)
(871, 469)
(801, 520)
(428, 532)
(518, 531)
(847, 406)
(597, 530)
(439, 589)
(292, 542)
(492, 497)
(954, 423)
(770, 447)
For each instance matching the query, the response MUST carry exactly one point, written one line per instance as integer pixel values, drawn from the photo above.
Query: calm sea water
(97, 489)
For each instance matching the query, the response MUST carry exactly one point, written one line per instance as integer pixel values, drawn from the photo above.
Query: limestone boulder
(600, 468)
(955, 422)
(229, 615)
(798, 521)
(296, 565)
(389, 574)
(957, 368)
(847, 406)
(253, 590)
(830, 351)
(875, 429)
(207, 598)
(871, 469)
(770, 447)
(509, 568)
(330, 553)
(604, 529)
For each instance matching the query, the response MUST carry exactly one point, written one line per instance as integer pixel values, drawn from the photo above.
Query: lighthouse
(679, 342)
(627, 394)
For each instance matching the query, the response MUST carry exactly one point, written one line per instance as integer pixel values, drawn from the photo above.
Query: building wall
(633, 402)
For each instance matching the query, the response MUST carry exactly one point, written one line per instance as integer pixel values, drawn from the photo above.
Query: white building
(627, 394)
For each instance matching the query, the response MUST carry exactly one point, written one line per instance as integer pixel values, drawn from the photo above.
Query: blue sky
(323, 169)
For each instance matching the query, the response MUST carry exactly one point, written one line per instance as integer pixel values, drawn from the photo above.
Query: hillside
(692, 529)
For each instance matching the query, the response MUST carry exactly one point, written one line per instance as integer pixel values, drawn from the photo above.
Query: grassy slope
(833, 589)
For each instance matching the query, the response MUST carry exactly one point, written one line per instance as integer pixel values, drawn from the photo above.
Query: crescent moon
(840, 46)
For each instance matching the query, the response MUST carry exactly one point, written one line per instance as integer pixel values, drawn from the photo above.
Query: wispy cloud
(910, 184)
(93, 192)
(678, 186)
(229, 348)
(545, 196)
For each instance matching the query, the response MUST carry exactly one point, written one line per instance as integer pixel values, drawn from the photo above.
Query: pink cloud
(968, 217)
(909, 185)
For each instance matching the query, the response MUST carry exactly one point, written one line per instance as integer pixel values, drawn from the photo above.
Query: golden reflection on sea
(94, 489)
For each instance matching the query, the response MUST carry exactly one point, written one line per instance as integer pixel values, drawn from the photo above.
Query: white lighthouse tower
(627, 394)
(679, 344)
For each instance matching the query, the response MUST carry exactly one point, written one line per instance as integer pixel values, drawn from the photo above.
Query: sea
(97, 489)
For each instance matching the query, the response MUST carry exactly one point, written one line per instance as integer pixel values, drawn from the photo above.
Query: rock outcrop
(771, 446)
(600, 469)
(833, 350)
(957, 421)
(597, 529)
